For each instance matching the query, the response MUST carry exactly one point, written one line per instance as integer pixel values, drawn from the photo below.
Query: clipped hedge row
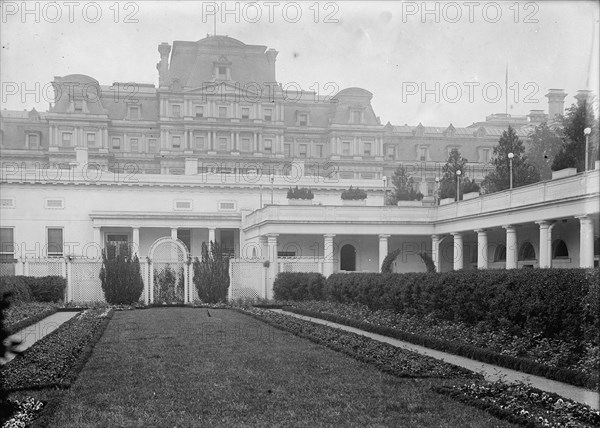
(298, 286)
(556, 303)
(34, 289)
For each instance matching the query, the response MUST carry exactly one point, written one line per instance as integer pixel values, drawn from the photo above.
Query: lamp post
(272, 179)
(458, 173)
(384, 189)
(586, 132)
(510, 158)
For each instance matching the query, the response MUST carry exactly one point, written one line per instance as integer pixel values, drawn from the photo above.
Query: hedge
(298, 286)
(30, 288)
(556, 303)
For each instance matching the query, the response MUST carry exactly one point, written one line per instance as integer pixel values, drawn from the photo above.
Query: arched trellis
(169, 254)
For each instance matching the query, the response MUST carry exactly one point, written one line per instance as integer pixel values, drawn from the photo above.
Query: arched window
(500, 253)
(527, 252)
(348, 258)
(559, 249)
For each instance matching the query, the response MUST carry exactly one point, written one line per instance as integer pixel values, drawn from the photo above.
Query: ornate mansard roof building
(219, 107)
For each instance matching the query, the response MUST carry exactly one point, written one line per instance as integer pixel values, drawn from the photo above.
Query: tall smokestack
(163, 66)
(556, 102)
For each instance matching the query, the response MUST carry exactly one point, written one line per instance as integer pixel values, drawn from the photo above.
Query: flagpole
(506, 91)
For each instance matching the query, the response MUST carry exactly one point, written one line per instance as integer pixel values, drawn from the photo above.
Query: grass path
(179, 367)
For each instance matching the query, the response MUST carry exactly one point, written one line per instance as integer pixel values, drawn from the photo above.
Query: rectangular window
(391, 152)
(302, 150)
(223, 144)
(222, 72)
(319, 151)
(183, 205)
(7, 202)
(367, 149)
(226, 206)
(134, 112)
(346, 148)
(268, 146)
(115, 244)
(199, 143)
(303, 120)
(134, 145)
(116, 143)
(55, 242)
(91, 139)
(176, 142)
(176, 110)
(268, 114)
(222, 111)
(287, 149)
(33, 141)
(54, 203)
(67, 138)
(423, 153)
(245, 112)
(7, 244)
(185, 236)
(152, 145)
(246, 144)
(199, 111)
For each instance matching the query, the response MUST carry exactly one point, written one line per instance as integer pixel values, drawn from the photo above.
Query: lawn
(180, 367)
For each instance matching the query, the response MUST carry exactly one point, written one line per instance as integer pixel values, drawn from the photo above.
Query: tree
(572, 154)
(455, 163)
(523, 172)
(120, 276)
(403, 188)
(544, 144)
(211, 274)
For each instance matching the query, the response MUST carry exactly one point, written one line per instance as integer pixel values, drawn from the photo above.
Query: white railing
(300, 264)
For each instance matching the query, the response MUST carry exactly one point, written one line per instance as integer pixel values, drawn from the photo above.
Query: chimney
(556, 102)
(163, 66)
(271, 55)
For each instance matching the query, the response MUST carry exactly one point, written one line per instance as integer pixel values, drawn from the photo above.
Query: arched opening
(527, 252)
(500, 253)
(559, 249)
(348, 258)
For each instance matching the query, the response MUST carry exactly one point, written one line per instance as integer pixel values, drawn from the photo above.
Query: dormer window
(78, 106)
(222, 69)
(303, 119)
(222, 72)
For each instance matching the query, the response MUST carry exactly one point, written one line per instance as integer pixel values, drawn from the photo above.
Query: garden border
(520, 364)
(26, 322)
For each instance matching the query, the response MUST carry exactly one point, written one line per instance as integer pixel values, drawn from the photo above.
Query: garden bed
(552, 359)
(52, 363)
(21, 315)
(523, 404)
(387, 358)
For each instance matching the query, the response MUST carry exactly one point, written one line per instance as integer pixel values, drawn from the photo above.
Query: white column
(98, 240)
(211, 234)
(383, 249)
(435, 252)
(458, 250)
(328, 254)
(543, 250)
(136, 240)
(173, 233)
(482, 249)
(586, 242)
(511, 247)
(272, 254)
(549, 245)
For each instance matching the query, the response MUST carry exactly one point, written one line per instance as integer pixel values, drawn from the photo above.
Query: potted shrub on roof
(403, 193)
(300, 196)
(354, 196)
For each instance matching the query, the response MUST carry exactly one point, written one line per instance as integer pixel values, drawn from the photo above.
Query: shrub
(169, 285)
(354, 194)
(429, 263)
(298, 286)
(211, 274)
(386, 266)
(48, 288)
(17, 286)
(303, 193)
(554, 303)
(120, 276)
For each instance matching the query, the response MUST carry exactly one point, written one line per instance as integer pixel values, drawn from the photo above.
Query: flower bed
(524, 405)
(387, 358)
(22, 315)
(551, 358)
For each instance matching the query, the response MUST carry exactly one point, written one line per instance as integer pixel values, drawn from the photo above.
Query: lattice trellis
(45, 267)
(169, 271)
(247, 280)
(7, 268)
(85, 281)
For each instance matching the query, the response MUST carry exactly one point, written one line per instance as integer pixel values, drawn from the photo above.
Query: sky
(433, 63)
